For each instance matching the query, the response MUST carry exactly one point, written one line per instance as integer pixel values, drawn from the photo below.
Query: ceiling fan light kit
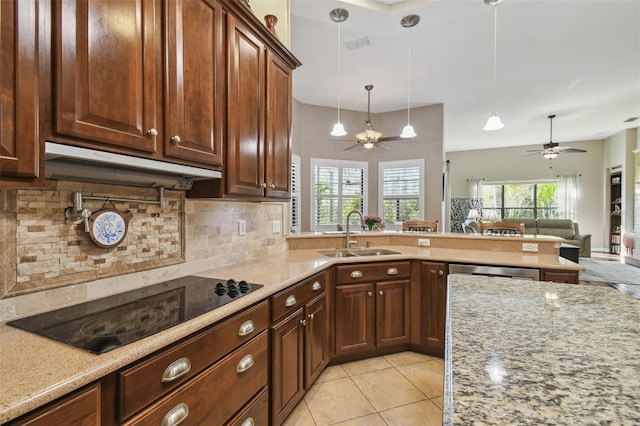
(339, 15)
(494, 122)
(551, 149)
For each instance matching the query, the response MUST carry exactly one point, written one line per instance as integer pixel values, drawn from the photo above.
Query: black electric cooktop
(101, 325)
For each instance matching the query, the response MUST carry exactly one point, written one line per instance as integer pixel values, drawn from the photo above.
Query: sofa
(563, 228)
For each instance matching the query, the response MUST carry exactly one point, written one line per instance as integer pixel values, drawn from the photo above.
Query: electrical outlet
(530, 247)
(275, 226)
(424, 242)
(242, 227)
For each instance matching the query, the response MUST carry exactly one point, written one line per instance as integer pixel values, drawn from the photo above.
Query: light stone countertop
(35, 370)
(531, 353)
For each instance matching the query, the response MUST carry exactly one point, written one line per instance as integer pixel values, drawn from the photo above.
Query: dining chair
(420, 226)
(501, 228)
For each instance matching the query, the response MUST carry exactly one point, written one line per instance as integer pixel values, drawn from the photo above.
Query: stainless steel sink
(356, 252)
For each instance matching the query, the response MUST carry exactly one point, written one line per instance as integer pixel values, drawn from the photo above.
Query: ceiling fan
(368, 137)
(552, 149)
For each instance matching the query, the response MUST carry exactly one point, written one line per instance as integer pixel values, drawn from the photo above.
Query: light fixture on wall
(339, 15)
(409, 21)
(494, 122)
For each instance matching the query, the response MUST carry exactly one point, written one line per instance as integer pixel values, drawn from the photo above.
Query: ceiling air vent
(357, 44)
(630, 119)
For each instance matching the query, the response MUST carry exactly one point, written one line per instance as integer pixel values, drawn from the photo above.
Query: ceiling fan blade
(573, 150)
(392, 138)
(351, 147)
(531, 154)
(533, 150)
(381, 145)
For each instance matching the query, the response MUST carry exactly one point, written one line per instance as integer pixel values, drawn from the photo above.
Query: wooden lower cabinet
(570, 277)
(433, 298)
(299, 354)
(372, 315)
(80, 408)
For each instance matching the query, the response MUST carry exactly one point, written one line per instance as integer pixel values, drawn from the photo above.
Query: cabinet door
(570, 277)
(316, 345)
(106, 71)
(244, 168)
(392, 313)
(355, 318)
(287, 365)
(434, 300)
(195, 87)
(19, 145)
(278, 128)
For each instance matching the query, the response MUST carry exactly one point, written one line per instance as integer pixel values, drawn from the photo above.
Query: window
(521, 200)
(401, 191)
(337, 187)
(295, 194)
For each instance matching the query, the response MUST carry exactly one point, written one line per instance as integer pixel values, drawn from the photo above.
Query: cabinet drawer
(289, 300)
(79, 408)
(216, 394)
(255, 413)
(152, 378)
(358, 273)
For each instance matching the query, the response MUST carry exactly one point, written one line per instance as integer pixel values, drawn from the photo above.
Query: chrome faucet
(348, 241)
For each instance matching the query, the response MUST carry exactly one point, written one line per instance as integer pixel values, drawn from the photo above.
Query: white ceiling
(578, 59)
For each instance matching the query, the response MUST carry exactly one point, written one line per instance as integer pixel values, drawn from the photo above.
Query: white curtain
(475, 188)
(568, 194)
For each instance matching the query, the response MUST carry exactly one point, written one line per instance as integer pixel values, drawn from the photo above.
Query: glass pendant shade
(493, 123)
(368, 145)
(408, 132)
(338, 130)
(550, 155)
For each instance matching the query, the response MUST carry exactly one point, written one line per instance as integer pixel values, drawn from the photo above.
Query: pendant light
(494, 122)
(338, 15)
(409, 21)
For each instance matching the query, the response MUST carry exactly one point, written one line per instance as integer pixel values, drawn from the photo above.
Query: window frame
(340, 164)
(395, 164)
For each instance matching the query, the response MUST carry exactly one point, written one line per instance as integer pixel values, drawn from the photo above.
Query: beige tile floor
(400, 389)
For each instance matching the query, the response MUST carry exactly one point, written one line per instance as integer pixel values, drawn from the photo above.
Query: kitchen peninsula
(540, 353)
(37, 370)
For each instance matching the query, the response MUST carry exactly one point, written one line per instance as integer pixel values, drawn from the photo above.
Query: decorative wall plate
(108, 227)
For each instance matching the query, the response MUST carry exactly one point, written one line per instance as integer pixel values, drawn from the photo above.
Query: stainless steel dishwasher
(495, 271)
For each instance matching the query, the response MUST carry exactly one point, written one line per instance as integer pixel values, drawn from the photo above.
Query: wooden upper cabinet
(244, 172)
(19, 135)
(195, 81)
(106, 72)
(278, 128)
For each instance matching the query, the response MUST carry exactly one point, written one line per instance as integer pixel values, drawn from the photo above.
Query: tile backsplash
(48, 262)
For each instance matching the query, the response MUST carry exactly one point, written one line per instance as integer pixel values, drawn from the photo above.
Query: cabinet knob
(272, 185)
(248, 422)
(381, 293)
(303, 322)
(316, 286)
(263, 185)
(247, 327)
(369, 294)
(176, 369)
(392, 271)
(176, 415)
(310, 316)
(356, 274)
(176, 139)
(440, 272)
(291, 300)
(152, 132)
(245, 363)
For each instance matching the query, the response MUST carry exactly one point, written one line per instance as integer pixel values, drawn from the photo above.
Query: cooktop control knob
(220, 289)
(244, 286)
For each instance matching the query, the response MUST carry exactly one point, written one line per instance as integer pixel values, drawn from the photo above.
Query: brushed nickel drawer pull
(440, 273)
(369, 294)
(152, 132)
(176, 139)
(316, 286)
(392, 271)
(176, 415)
(303, 322)
(248, 422)
(381, 293)
(310, 316)
(291, 300)
(247, 327)
(245, 363)
(356, 274)
(176, 369)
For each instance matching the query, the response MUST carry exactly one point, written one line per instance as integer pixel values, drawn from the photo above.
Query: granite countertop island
(521, 352)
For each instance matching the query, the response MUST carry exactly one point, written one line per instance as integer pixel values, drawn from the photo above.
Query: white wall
(509, 164)
(311, 139)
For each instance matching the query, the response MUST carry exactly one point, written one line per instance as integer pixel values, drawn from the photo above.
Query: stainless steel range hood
(67, 162)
